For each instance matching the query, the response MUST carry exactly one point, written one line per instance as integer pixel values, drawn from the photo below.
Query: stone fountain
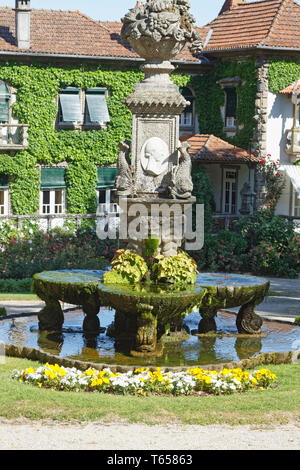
(154, 172)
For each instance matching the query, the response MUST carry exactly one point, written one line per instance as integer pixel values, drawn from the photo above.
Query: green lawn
(11, 296)
(280, 405)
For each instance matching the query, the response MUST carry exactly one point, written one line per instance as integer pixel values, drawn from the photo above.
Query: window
(96, 110)
(3, 201)
(3, 195)
(53, 191)
(187, 119)
(4, 103)
(230, 107)
(105, 189)
(230, 192)
(79, 108)
(70, 111)
(53, 202)
(296, 205)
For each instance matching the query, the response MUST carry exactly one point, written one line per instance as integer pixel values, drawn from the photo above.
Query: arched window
(4, 102)
(187, 119)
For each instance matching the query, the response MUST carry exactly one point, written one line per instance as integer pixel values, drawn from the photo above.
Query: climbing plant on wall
(211, 98)
(283, 73)
(38, 86)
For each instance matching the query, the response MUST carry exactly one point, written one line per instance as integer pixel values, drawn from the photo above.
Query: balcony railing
(292, 147)
(13, 136)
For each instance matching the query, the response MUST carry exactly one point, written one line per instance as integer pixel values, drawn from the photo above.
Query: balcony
(292, 147)
(13, 136)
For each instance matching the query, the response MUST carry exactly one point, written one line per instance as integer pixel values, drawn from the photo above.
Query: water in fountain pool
(72, 342)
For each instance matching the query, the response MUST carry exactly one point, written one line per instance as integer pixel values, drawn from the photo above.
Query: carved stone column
(259, 143)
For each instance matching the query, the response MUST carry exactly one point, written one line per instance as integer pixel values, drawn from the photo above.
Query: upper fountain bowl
(159, 29)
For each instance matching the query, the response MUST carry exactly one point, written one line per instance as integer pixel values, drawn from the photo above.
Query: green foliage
(211, 97)
(3, 312)
(283, 73)
(262, 244)
(21, 258)
(297, 320)
(9, 231)
(22, 286)
(151, 246)
(38, 87)
(204, 193)
(275, 181)
(81, 178)
(178, 269)
(265, 227)
(128, 268)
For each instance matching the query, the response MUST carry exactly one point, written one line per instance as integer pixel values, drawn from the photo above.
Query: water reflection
(246, 347)
(72, 342)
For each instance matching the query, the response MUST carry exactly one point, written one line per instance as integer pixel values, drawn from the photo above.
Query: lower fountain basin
(145, 312)
(74, 344)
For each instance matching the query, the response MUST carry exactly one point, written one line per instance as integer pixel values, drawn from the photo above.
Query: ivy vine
(38, 86)
(211, 97)
(283, 73)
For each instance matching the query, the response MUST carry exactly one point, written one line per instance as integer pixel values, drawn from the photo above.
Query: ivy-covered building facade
(63, 81)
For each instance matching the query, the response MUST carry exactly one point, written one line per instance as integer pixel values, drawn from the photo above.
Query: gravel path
(27, 435)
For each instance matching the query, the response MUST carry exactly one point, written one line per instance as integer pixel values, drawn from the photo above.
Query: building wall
(215, 171)
(280, 120)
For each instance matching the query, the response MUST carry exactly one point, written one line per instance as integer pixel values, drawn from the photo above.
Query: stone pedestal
(163, 219)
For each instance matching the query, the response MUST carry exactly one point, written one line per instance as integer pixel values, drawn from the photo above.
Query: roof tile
(209, 148)
(69, 33)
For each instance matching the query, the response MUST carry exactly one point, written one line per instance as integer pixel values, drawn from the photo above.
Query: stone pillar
(259, 143)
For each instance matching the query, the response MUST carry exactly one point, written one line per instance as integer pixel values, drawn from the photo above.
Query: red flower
(12, 240)
(262, 160)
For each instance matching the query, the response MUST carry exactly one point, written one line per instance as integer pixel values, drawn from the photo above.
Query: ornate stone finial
(159, 29)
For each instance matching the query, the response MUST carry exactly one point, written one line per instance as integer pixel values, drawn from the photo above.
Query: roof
(293, 88)
(264, 23)
(211, 149)
(71, 33)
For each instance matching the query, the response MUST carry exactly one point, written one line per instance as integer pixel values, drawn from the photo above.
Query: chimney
(230, 4)
(23, 14)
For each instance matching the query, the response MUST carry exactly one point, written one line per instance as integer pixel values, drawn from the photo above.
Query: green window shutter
(4, 103)
(231, 102)
(106, 178)
(97, 110)
(53, 178)
(70, 105)
(3, 182)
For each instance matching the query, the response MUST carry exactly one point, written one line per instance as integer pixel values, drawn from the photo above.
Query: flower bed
(146, 382)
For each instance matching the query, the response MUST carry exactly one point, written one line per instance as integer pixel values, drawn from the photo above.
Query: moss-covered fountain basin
(145, 313)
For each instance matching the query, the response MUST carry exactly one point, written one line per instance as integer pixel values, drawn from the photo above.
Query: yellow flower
(39, 384)
(90, 372)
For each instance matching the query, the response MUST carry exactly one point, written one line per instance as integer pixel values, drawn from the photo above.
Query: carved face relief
(155, 156)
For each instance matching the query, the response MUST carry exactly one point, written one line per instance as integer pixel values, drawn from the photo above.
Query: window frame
(106, 207)
(4, 208)
(233, 181)
(296, 204)
(189, 96)
(83, 124)
(52, 201)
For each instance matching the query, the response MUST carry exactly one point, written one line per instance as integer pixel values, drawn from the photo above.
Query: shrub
(21, 258)
(178, 269)
(262, 244)
(127, 268)
(22, 286)
(3, 312)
